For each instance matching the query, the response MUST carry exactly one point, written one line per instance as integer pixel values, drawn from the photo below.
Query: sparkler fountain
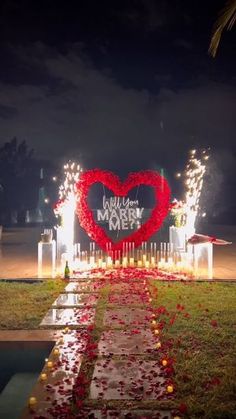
(195, 171)
(65, 211)
(185, 212)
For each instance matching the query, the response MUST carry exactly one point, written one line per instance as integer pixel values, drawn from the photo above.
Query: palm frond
(226, 20)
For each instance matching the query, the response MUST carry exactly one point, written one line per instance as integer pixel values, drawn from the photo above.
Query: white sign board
(120, 213)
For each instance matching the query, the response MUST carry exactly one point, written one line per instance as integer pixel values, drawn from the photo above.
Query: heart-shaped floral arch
(119, 188)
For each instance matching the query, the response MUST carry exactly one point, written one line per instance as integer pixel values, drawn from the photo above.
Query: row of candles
(46, 373)
(147, 256)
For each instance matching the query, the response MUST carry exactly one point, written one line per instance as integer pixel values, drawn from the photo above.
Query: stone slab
(128, 287)
(129, 316)
(72, 342)
(68, 317)
(75, 300)
(52, 394)
(128, 299)
(57, 389)
(120, 342)
(132, 378)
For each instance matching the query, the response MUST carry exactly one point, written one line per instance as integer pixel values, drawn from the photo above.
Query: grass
(22, 306)
(202, 342)
(199, 335)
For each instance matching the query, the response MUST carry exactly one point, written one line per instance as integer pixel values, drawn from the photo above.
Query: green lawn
(202, 343)
(22, 306)
(199, 322)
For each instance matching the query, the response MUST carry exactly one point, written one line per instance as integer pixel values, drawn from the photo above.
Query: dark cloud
(183, 43)
(7, 112)
(147, 15)
(80, 110)
(120, 85)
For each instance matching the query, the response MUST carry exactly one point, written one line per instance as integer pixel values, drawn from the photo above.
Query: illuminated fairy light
(65, 208)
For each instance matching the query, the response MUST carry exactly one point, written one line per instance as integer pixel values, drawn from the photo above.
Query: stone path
(106, 360)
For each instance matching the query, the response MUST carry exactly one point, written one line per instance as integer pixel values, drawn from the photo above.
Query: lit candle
(140, 264)
(156, 332)
(117, 263)
(164, 362)
(92, 260)
(158, 345)
(99, 263)
(109, 262)
(131, 262)
(32, 401)
(147, 264)
(49, 364)
(56, 351)
(124, 262)
(170, 389)
(43, 377)
(161, 263)
(153, 261)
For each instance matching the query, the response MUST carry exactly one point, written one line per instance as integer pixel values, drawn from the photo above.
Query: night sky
(122, 85)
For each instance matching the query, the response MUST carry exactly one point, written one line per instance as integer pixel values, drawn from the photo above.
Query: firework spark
(65, 208)
(194, 176)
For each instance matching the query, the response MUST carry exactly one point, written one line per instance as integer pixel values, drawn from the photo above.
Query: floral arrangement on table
(178, 213)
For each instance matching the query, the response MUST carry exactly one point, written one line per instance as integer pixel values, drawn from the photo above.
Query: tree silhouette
(18, 179)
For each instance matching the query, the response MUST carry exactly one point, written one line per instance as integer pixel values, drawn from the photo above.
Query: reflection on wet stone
(80, 287)
(68, 317)
(126, 317)
(72, 299)
(134, 341)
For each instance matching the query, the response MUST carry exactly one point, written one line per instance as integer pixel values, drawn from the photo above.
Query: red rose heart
(112, 182)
